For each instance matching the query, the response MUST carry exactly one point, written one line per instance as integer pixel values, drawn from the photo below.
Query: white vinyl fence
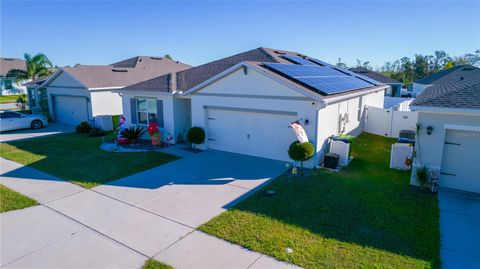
(387, 122)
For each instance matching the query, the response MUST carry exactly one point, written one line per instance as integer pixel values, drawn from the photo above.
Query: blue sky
(196, 32)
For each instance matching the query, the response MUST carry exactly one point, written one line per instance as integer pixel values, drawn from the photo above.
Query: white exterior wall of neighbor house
(430, 147)
(171, 107)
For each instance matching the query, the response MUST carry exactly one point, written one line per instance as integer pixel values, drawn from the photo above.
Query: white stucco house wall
(83, 92)
(247, 110)
(451, 111)
(8, 81)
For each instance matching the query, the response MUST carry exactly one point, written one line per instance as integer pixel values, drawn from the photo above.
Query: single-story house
(8, 83)
(395, 85)
(83, 92)
(451, 74)
(246, 102)
(449, 138)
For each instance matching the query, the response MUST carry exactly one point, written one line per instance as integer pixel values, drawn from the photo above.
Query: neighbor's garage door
(70, 109)
(251, 133)
(460, 164)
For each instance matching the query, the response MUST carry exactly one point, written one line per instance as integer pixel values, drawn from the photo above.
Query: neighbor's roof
(462, 93)
(186, 79)
(451, 74)
(124, 73)
(7, 64)
(374, 75)
(38, 81)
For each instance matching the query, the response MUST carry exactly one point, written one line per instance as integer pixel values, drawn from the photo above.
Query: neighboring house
(449, 139)
(37, 97)
(395, 85)
(451, 74)
(82, 92)
(8, 84)
(245, 103)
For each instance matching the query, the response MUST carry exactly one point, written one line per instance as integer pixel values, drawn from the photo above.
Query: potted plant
(154, 133)
(196, 136)
(300, 152)
(132, 134)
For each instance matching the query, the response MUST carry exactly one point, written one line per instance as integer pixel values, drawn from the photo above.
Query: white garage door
(460, 164)
(70, 109)
(251, 133)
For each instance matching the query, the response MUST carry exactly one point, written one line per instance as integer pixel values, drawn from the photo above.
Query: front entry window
(147, 110)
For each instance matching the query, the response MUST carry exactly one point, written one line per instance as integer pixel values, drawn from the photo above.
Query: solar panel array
(325, 79)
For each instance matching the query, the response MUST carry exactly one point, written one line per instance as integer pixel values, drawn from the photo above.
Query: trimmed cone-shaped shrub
(300, 152)
(196, 135)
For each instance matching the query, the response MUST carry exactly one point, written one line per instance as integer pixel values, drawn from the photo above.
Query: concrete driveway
(51, 129)
(459, 229)
(154, 213)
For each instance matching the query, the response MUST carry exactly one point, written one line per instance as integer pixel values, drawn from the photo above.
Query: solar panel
(298, 60)
(325, 79)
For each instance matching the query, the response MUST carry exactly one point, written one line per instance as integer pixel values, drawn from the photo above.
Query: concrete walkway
(51, 129)
(459, 229)
(151, 214)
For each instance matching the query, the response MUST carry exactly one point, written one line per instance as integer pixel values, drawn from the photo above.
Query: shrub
(422, 175)
(83, 128)
(132, 133)
(196, 135)
(97, 132)
(300, 151)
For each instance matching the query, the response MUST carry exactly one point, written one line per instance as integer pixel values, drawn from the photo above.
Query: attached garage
(70, 110)
(248, 109)
(460, 163)
(252, 132)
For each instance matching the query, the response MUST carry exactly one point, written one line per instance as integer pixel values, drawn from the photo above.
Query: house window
(8, 84)
(146, 110)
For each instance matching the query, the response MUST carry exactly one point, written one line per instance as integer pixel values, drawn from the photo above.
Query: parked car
(12, 120)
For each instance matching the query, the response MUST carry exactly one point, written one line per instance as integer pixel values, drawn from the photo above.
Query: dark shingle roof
(7, 64)
(454, 73)
(374, 75)
(191, 77)
(124, 73)
(464, 93)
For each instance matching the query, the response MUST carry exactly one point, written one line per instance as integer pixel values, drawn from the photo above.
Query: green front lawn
(12, 200)
(79, 159)
(6, 99)
(366, 216)
(154, 264)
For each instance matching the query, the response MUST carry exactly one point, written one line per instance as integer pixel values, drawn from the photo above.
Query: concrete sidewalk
(150, 214)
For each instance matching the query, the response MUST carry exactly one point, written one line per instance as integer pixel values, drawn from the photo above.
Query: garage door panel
(460, 163)
(250, 133)
(71, 110)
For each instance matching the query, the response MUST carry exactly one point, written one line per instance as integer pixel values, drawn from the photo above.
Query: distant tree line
(407, 70)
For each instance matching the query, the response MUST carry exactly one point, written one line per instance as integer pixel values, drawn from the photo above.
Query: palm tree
(37, 66)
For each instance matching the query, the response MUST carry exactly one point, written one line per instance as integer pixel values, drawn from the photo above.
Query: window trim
(137, 99)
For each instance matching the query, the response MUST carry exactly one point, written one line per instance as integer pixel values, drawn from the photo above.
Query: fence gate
(388, 123)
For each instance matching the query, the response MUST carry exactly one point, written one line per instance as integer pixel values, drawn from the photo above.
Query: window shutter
(160, 113)
(133, 110)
